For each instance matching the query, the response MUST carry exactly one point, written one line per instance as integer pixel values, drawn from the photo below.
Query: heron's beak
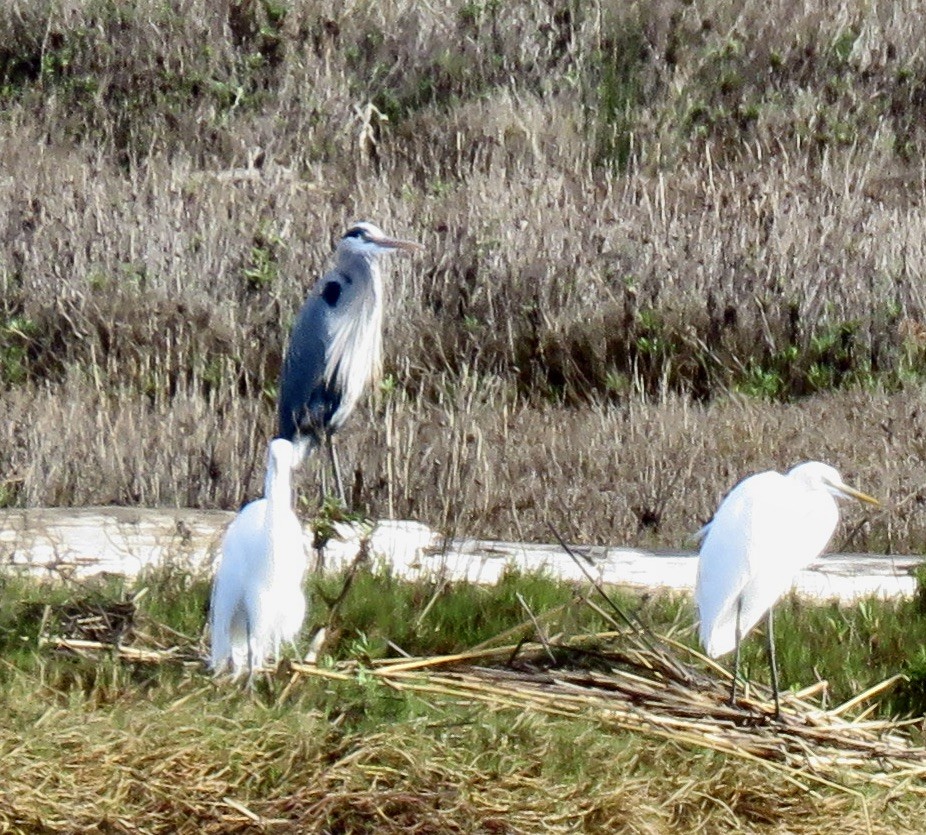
(397, 243)
(846, 490)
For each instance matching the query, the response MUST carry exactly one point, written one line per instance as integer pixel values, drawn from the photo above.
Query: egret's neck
(278, 490)
(278, 493)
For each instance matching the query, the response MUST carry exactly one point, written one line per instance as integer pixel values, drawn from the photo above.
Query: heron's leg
(337, 469)
(322, 484)
(772, 663)
(736, 652)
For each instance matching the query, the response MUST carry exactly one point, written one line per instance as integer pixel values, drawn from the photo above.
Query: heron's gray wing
(306, 402)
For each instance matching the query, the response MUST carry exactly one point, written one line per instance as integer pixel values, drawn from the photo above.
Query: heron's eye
(356, 232)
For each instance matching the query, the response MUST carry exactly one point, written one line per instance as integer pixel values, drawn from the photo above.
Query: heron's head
(818, 475)
(368, 240)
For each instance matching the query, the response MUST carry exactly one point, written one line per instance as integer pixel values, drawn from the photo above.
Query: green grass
(435, 619)
(851, 647)
(668, 244)
(118, 738)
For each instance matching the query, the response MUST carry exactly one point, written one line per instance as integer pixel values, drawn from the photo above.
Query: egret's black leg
(337, 469)
(247, 632)
(736, 654)
(772, 663)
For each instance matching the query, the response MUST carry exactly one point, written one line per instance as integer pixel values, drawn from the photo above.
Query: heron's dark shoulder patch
(331, 292)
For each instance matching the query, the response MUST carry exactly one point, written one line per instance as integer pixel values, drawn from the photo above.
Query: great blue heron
(257, 597)
(336, 344)
(768, 528)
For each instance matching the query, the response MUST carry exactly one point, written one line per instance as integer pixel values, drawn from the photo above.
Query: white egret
(257, 595)
(336, 344)
(768, 528)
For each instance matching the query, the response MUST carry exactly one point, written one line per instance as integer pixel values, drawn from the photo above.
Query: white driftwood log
(81, 542)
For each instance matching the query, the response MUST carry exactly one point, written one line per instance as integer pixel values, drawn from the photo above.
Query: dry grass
(668, 244)
(112, 724)
(627, 213)
(628, 682)
(613, 732)
(427, 775)
(649, 474)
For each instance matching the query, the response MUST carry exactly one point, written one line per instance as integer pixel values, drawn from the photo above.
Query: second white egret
(767, 528)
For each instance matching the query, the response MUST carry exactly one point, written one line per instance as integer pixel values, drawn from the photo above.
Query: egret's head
(822, 476)
(368, 240)
(280, 456)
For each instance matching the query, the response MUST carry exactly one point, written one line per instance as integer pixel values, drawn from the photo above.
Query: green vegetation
(852, 648)
(322, 755)
(667, 244)
(262, 272)
(16, 334)
(435, 619)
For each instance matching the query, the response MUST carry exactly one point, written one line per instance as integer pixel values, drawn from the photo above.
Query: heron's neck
(363, 273)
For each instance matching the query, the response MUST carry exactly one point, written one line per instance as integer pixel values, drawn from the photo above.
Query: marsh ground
(667, 244)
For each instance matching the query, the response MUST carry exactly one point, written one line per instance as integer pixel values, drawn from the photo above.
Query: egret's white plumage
(769, 527)
(336, 344)
(258, 601)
